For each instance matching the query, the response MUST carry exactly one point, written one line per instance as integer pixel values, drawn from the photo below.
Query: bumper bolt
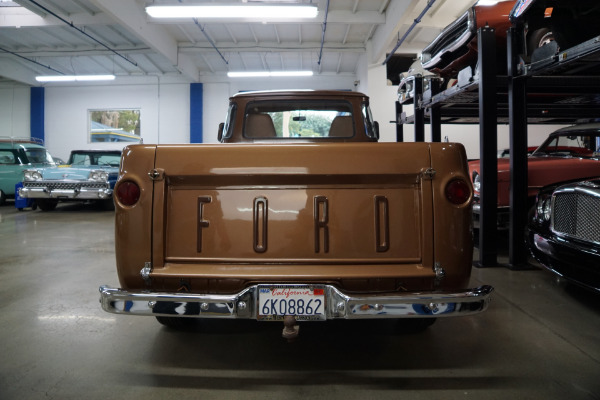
(204, 306)
(242, 305)
(151, 304)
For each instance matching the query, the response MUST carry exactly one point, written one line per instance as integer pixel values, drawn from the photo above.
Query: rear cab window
(314, 119)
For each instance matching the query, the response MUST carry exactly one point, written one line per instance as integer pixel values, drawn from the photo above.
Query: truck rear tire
(178, 323)
(414, 325)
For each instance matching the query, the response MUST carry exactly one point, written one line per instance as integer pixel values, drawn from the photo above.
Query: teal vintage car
(89, 175)
(17, 155)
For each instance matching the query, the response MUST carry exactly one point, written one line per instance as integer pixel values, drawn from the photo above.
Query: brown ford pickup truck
(298, 214)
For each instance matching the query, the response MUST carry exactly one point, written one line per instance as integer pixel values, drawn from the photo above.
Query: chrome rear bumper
(243, 305)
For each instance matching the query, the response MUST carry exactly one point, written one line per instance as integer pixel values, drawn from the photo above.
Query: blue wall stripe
(196, 113)
(36, 119)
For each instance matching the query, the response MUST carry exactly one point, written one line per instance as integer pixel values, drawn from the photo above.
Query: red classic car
(568, 153)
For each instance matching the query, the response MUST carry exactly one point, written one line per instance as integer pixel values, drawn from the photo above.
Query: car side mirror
(220, 133)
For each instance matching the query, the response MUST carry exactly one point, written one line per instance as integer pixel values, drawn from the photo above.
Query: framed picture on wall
(114, 125)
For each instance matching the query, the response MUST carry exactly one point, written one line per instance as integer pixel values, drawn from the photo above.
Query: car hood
(74, 173)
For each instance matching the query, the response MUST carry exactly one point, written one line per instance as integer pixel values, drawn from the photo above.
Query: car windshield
(38, 156)
(299, 119)
(586, 145)
(94, 158)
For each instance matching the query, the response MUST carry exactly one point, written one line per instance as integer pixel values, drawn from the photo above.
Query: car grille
(576, 214)
(65, 185)
(449, 35)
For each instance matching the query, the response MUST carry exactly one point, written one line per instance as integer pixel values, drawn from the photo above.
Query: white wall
(15, 111)
(164, 115)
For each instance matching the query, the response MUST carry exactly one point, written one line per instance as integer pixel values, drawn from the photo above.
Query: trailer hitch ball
(290, 328)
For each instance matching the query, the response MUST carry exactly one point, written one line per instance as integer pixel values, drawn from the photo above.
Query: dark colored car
(571, 21)
(563, 232)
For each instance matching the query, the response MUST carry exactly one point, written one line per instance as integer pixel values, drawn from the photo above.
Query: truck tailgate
(292, 210)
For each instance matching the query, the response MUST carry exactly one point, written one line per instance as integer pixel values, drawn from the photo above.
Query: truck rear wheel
(414, 325)
(178, 323)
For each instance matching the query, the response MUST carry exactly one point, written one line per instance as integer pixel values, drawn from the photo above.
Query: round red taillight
(458, 191)
(128, 193)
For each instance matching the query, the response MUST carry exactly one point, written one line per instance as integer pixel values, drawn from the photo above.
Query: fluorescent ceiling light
(267, 74)
(487, 2)
(234, 11)
(72, 78)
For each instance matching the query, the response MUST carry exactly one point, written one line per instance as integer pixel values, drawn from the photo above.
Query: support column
(488, 145)
(419, 110)
(36, 116)
(399, 124)
(517, 113)
(435, 114)
(196, 109)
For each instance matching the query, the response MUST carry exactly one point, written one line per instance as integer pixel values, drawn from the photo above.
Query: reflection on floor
(538, 339)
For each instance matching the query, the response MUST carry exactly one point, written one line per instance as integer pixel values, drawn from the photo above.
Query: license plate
(306, 303)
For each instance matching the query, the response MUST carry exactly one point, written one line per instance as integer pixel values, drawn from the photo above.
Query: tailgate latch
(428, 173)
(145, 272)
(157, 174)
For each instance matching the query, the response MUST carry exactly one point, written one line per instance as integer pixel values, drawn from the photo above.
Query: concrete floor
(538, 339)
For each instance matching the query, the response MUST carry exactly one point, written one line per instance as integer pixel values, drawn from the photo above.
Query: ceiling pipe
(212, 43)
(415, 22)
(323, 35)
(32, 61)
(82, 32)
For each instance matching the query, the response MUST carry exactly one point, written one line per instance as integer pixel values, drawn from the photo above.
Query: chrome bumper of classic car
(243, 305)
(70, 191)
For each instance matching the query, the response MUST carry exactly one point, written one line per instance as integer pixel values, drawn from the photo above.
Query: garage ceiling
(48, 37)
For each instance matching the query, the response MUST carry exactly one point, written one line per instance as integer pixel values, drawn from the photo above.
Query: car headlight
(32, 175)
(476, 182)
(98, 175)
(543, 209)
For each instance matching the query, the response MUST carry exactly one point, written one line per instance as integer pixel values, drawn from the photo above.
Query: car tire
(178, 323)
(106, 204)
(414, 325)
(539, 38)
(2, 198)
(47, 204)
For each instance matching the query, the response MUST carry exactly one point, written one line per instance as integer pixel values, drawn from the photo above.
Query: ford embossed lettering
(303, 302)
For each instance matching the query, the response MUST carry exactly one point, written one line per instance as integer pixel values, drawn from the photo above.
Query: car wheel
(538, 39)
(414, 325)
(47, 204)
(178, 323)
(107, 204)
